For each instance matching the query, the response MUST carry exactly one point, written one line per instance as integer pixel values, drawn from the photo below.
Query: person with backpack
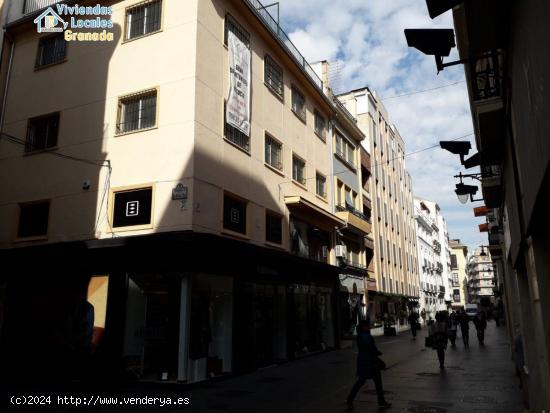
(369, 365)
(439, 333)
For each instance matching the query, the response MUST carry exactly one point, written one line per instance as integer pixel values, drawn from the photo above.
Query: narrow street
(480, 379)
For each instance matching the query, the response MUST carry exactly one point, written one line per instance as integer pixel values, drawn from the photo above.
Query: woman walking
(439, 333)
(368, 365)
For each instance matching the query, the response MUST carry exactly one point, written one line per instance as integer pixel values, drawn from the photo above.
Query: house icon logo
(50, 22)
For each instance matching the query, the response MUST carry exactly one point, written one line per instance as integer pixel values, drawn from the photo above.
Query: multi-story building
(459, 279)
(395, 258)
(177, 182)
(481, 278)
(433, 250)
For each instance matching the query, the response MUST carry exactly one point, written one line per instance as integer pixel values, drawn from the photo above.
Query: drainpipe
(8, 75)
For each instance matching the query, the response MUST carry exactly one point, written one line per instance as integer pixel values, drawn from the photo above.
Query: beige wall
(188, 63)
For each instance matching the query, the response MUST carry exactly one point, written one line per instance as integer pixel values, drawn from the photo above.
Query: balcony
(261, 12)
(344, 110)
(491, 185)
(354, 218)
(30, 6)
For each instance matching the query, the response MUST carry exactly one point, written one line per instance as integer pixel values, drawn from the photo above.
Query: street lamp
(465, 192)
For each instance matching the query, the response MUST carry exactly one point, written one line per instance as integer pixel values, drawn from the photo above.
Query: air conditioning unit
(340, 251)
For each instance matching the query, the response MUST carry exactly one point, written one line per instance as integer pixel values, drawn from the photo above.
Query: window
(453, 261)
(320, 125)
(137, 111)
(381, 243)
(51, 50)
(273, 153)
(345, 149)
(298, 103)
(232, 26)
(273, 228)
(42, 132)
(339, 193)
(132, 207)
(234, 135)
(273, 76)
(321, 185)
(298, 170)
(143, 18)
(33, 219)
(234, 214)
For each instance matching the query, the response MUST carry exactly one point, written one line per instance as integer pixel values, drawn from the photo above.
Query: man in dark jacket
(368, 365)
(464, 322)
(480, 321)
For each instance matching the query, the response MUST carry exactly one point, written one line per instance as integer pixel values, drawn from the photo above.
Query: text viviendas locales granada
(87, 17)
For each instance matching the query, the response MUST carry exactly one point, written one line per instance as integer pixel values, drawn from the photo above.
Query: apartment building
(481, 278)
(394, 233)
(433, 257)
(459, 260)
(177, 182)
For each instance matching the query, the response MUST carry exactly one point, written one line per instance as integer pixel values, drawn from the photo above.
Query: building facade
(394, 233)
(204, 244)
(459, 278)
(433, 257)
(509, 102)
(481, 278)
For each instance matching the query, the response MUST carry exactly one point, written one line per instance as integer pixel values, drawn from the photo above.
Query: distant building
(481, 277)
(459, 280)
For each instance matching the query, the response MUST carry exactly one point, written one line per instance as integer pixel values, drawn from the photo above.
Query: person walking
(480, 322)
(369, 365)
(452, 323)
(439, 333)
(413, 322)
(464, 322)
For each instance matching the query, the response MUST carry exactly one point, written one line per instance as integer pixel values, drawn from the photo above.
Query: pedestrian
(480, 322)
(439, 333)
(464, 322)
(413, 322)
(369, 365)
(423, 315)
(452, 323)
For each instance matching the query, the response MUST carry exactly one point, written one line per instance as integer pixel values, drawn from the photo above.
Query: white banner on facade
(237, 112)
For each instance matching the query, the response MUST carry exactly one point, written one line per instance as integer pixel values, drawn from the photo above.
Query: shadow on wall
(45, 329)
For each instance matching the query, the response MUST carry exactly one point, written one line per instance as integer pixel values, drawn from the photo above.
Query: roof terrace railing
(275, 28)
(30, 6)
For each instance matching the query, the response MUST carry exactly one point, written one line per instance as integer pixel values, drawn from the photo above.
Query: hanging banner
(237, 112)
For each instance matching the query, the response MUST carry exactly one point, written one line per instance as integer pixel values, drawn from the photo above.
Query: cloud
(367, 39)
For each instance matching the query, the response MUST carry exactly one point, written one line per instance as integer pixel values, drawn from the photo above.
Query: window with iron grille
(273, 228)
(42, 132)
(234, 135)
(273, 153)
(273, 76)
(138, 111)
(298, 103)
(321, 185)
(298, 170)
(345, 150)
(320, 125)
(232, 26)
(143, 18)
(51, 50)
(33, 219)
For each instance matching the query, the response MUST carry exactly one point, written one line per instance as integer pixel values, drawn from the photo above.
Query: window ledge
(345, 162)
(274, 245)
(274, 92)
(303, 119)
(40, 151)
(322, 198)
(136, 131)
(19, 240)
(141, 36)
(272, 168)
(240, 148)
(299, 184)
(114, 230)
(43, 67)
(323, 138)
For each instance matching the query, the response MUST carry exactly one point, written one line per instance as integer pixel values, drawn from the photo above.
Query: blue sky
(364, 39)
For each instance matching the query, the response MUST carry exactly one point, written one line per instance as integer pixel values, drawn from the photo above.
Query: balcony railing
(354, 211)
(486, 77)
(274, 27)
(30, 6)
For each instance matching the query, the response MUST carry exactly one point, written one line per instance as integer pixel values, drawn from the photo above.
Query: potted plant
(389, 325)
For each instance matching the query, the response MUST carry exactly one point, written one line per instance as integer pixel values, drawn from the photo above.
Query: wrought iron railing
(275, 28)
(30, 6)
(354, 211)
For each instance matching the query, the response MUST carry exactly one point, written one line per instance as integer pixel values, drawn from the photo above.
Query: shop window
(234, 214)
(132, 207)
(33, 219)
(273, 228)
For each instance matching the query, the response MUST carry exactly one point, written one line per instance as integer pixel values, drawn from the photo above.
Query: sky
(364, 41)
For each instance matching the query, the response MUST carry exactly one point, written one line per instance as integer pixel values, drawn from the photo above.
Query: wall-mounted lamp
(465, 192)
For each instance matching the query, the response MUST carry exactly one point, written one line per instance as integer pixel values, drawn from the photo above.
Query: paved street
(480, 379)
